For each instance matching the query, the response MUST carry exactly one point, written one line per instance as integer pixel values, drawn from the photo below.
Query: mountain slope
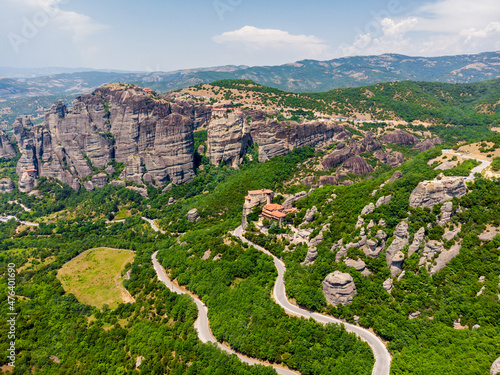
(302, 76)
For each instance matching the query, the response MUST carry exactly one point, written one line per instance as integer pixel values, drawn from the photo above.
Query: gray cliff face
(153, 137)
(430, 193)
(399, 137)
(6, 185)
(6, 149)
(227, 140)
(230, 136)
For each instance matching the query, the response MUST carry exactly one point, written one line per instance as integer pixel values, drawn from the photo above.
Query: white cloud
(257, 39)
(49, 13)
(436, 28)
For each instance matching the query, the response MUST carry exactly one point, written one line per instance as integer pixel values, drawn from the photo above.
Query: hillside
(383, 226)
(301, 76)
(473, 104)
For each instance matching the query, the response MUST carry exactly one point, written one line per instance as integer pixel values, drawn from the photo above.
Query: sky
(165, 35)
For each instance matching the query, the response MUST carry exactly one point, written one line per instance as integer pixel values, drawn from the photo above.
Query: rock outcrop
(368, 209)
(310, 213)
(328, 180)
(446, 211)
(6, 185)
(396, 176)
(230, 136)
(383, 200)
(393, 252)
(430, 193)
(358, 265)
(393, 158)
(6, 149)
(369, 143)
(388, 285)
(337, 157)
(399, 137)
(428, 144)
(312, 254)
(418, 239)
(294, 198)
(115, 122)
(339, 288)
(193, 216)
(357, 165)
(495, 367)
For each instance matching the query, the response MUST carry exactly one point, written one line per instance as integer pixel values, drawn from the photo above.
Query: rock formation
(393, 158)
(192, 215)
(358, 265)
(383, 200)
(495, 367)
(312, 254)
(369, 143)
(446, 211)
(230, 136)
(393, 252)
(294, 198)
(428, 144)
(397, 263)
(399, 137)
(339, 288)
(357, 165)
(388, 285)
(227, 141)
(115, 122)
(6, 149)
(368, 209)
(337, 157)
(6, 185)
(418, 239)
(396, 176)
(328, 180)
(430, 193)
(310, 213)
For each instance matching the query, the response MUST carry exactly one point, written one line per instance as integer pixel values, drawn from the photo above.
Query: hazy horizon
(160, 36)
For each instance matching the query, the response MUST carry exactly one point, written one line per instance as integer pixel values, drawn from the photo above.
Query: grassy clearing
(94, 277)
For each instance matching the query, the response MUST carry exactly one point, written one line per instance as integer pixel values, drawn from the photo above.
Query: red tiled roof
(273, 214)
(273, 207)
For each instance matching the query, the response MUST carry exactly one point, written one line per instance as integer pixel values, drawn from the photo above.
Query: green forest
(417, 319)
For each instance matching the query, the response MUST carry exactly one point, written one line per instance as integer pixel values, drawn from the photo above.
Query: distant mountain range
(301, 76)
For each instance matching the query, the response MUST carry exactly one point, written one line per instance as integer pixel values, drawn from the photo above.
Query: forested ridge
(59, 335)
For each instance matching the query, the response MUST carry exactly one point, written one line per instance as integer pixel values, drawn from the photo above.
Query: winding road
(382, 357)
(484, 163)
(202, 325)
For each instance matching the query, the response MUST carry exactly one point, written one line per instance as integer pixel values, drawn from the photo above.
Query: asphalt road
(202, 325)
(382, 357)
(153, 225)
(484, 163)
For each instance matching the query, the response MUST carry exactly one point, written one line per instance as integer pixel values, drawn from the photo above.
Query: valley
(257, 222)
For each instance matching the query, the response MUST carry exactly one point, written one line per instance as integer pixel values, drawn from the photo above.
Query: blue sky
(151, 35)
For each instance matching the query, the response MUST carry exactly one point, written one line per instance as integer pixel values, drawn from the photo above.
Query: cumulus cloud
(257, 39)
(439, 27)
(50, 13)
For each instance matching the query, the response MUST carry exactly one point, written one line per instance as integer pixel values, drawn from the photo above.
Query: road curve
(382, 357)
(153, 225)
(484, 163)
(202, 325)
